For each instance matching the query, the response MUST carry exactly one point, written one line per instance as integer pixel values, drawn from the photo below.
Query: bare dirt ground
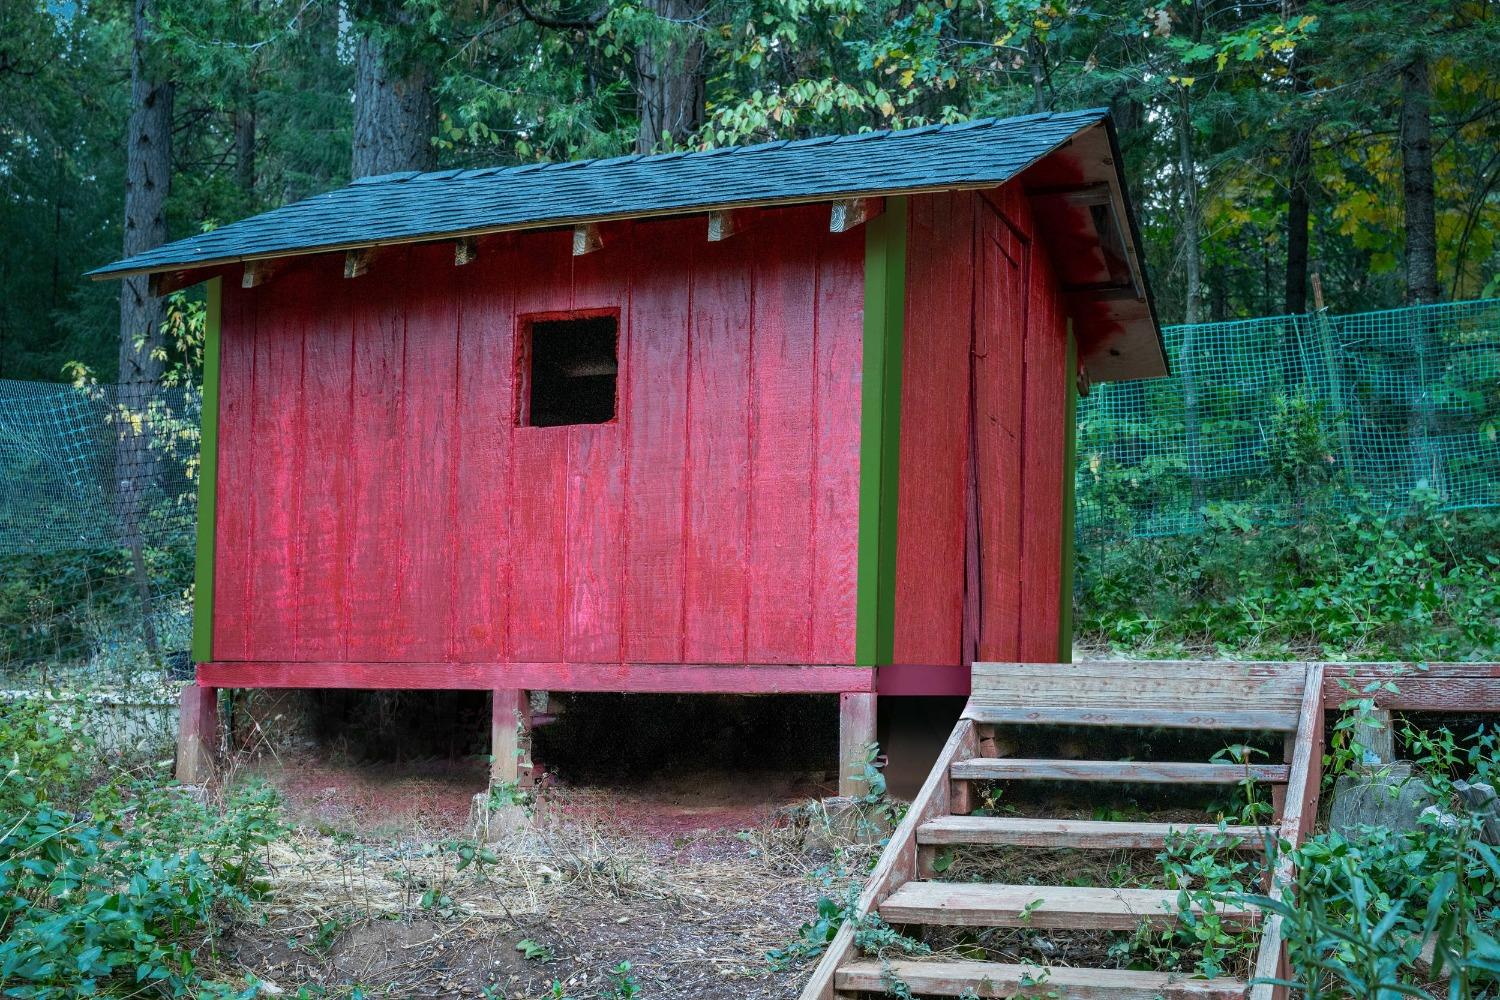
(691, 879)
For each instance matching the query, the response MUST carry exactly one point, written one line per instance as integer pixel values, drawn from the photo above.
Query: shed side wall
(979, 550)
(378, 503)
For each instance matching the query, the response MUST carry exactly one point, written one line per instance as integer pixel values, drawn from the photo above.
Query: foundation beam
(197, 734)
(856, 733)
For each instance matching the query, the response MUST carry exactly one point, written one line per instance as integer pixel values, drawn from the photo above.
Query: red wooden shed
(782, 418)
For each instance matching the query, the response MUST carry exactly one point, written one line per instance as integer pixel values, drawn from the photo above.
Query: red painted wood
(482, 453)
(1043, 453)
(324, 514)
(923, 680)
(836, 415)
(542, 276)
(538, 498)
(383, 624)
(999, 321)
(934, 429)
(660, 678)
(403, 517)
(595, 550)
(718, 430)
(430, 386)
(276, 437)
(782, 441)
(655, 416)
(234, 542)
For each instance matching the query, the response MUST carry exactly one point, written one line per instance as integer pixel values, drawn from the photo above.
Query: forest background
(1285, 156)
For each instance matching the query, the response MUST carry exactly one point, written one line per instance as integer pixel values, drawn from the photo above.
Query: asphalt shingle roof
(411, 206)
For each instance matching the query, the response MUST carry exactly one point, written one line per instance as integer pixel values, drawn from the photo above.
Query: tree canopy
(1268, 141)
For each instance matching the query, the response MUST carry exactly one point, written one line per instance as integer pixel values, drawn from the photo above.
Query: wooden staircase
(905, 890)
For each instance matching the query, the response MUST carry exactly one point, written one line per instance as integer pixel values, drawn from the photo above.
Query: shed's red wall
(378, 503)
(979, 548)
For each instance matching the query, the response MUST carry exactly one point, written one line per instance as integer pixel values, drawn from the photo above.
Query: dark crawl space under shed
(784, 418)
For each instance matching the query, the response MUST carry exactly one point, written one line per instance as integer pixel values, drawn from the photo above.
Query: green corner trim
(880, 433)
(1069, 504)
(208, 481)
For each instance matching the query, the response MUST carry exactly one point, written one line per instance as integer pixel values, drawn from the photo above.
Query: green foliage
(1363, 908)
(1413, 584)
(125, 885)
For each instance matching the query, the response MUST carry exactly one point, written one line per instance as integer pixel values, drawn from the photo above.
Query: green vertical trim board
(880, 433)
(1069, 503)
(208, 481)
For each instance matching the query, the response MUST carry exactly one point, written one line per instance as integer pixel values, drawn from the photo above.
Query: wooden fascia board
(880, 432)
(208, 473)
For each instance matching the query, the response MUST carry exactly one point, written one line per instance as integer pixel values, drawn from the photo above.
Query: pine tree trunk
(1298, 183)
(1417, 179)
(1192, 224)
(670, 77)
(244, 151)
(148, 174)
(1192, 312)
(1298, 205)
(395, 116)
(1421, 263)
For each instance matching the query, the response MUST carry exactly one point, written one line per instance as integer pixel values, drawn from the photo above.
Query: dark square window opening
(569, 369)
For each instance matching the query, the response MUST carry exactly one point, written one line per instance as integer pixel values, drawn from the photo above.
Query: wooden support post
(197, 734)
(856, 733)
(499, 810)
(1376, 735)
(586, 239)
(465, 250)
(510, 737)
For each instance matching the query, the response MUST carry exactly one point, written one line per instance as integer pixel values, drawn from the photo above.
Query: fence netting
(1268, 419)
(98, 514)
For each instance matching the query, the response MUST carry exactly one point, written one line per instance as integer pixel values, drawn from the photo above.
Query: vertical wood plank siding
(980, 288)
(880, 430)
(377, 503)
(208, 478)
(935, 421)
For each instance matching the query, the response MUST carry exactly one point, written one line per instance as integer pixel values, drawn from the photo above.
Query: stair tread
(1134, 718)
(1078, 833)
(989, 904)
(996, 979)
(1133, 771)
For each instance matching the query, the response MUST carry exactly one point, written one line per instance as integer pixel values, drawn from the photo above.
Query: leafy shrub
(1409, 584)
(1364, 909)
(124, 887)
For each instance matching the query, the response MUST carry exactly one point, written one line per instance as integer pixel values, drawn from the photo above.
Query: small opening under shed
(570, 369)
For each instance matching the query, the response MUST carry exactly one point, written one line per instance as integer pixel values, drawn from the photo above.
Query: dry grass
(694, 913)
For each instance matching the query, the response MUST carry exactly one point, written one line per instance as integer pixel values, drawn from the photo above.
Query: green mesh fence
(98, 508)
(1272, 417)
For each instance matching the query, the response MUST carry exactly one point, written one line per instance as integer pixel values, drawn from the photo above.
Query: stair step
(1133, 771)
(994, 979)
(1094, 834)
(984, 904)
(1137, 718)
